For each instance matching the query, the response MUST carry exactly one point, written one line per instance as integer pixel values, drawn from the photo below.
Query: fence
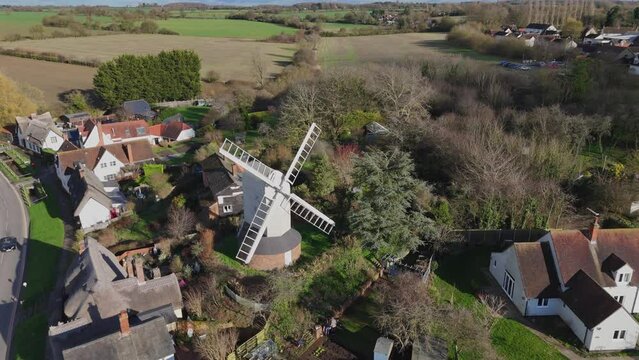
(249, 344)
(499, 237)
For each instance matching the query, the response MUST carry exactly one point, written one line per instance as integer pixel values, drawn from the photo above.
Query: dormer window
(623, 277)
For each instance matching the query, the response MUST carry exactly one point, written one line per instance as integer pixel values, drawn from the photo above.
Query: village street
(13, 222)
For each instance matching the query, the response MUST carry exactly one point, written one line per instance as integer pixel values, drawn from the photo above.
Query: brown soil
(51, 78)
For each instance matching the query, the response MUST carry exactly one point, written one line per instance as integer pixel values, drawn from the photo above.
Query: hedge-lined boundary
(48, 56)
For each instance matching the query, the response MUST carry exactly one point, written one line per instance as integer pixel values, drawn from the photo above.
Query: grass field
(224, 28)
(232, 58)
(19, 22)
(514, 342)
(385, 48)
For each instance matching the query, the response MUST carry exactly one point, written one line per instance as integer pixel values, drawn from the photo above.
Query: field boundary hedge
(48, 56)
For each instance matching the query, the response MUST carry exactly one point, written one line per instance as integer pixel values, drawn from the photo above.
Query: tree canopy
(170, 75)
(13, 101)
(386, 215)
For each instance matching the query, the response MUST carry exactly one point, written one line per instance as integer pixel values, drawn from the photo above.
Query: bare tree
(217, 345)
(467, 331)
(181, 221)
(193, 300)
(494, 303)
(406, 309)
(259, 69)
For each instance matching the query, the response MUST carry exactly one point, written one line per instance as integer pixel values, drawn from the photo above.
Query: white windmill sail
(302, 154)
(241, 157)
(307, 212)
(255, 230)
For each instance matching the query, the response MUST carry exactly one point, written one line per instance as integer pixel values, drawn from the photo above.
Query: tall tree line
(558, 12)
(170, 75)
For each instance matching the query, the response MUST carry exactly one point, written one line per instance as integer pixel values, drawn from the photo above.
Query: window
(103, 165)
(542, 302)
(626, 277)
(618, 298)
(112, 163)
(495, 263)
(619, 335)
(54, 139)
(110, 177)
(127, 132)
(620, 279)
(140, 131)
(227, 208)
(508, 284)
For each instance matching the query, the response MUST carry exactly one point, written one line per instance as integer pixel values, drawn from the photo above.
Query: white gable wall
(186, 135)
(104, 168)
(507, 261)
(629, 294)
(573, 322)
(53, 141)
(93, 213)
(601, 337)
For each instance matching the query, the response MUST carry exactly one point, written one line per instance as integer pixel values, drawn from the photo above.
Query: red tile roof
(126, 129)
(171, 130)
(574, 253)
(624, 243)
(535, 263)
(129, 152)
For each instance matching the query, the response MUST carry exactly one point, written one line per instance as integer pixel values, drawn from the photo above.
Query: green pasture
(224, 28)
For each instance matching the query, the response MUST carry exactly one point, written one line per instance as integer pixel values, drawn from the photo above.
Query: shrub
(148, 27)
(176, 264)
(165, 31)
(211, 76)
(304, 56)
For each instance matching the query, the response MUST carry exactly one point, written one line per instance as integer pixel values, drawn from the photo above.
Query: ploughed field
(231, 58)
(49, 77)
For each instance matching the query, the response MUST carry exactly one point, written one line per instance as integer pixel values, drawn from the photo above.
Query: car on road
(8, 244)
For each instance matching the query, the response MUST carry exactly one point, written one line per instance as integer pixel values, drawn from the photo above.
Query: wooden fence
(249, 344)
(499, 237)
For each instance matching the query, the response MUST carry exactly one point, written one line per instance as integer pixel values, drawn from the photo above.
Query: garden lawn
(314, 242)
(514, 342)
(226, 251)
(30, 338)
(192, 114)
(356, 331)
(45, 243)
(224, 28)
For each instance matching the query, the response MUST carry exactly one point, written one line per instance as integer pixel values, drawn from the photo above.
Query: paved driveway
(13, 222)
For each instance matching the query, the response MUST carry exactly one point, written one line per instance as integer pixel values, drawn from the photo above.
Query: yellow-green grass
(514, 342)
(19, 22)
(224, 28)
(334, 27)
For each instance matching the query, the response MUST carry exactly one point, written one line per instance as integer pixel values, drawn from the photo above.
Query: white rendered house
(38, 132)
(585, 277)
(96, 133)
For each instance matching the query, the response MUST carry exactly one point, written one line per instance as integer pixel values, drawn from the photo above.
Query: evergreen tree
(170, 75)
(385, 214)
(324, 178)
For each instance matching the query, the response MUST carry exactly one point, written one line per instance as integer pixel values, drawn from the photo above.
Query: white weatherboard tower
(268, 240)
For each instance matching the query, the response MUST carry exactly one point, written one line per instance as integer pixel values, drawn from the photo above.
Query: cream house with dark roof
(38, 132)
(585, 277)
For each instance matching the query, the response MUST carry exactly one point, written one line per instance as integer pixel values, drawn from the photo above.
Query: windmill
(268, 240)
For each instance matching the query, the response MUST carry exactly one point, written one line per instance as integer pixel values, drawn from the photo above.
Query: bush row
(48, 56)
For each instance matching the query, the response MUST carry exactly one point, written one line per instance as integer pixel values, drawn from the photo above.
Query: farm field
(224, 28)
(49, 77)
(337, 26)
(381, 48)
(19, 22)
(215, 52)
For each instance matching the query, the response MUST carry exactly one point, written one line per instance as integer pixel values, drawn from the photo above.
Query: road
(13, 222)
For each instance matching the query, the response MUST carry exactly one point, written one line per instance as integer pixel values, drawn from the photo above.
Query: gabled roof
(539, 279)
(169, 129)
(129, 152)
(37, 127)
(589, 301)
(138, 107)
(126, 129)
(97, 281)
(148, 340)
(612, 264)
(215, 175)
(538, 26)
(67, 146)
(574, 253)
(624, 244)
(84, 185)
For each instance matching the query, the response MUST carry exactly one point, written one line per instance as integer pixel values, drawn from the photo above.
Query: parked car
(8, 244)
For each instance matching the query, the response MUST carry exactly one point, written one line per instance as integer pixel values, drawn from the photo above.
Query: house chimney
(124, 323)
(98, 125)
(129, 267)
(139, 271)
(129, 150)
(594, 228)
